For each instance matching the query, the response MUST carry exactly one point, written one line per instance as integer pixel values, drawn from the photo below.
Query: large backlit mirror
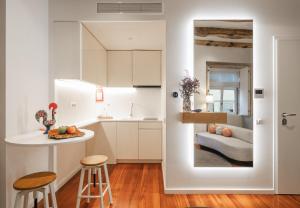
(223, 64)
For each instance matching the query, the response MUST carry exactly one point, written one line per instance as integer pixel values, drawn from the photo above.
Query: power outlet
(73, 104)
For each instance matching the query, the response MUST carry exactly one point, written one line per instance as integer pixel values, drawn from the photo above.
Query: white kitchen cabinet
(94, 59)
(147, 68)
(119, 68)
(127, 140)
(66, 50)
(104, 142)
(150, 141)
(150, 144)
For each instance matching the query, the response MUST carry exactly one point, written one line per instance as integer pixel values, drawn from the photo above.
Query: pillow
(212, 128)
(227, 132)
(219, 130)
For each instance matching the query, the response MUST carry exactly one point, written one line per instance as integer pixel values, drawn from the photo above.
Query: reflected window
(225, 100)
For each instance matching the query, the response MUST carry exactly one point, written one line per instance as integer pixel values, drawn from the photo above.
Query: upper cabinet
(134, 68)
(94, 59)
(66, 50)
(119, 68)
(147, 68)
(77, 54)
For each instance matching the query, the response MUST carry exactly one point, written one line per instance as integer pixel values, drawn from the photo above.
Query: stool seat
(34, 181)
(93, 160)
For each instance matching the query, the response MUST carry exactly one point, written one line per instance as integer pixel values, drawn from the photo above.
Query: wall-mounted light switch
(259, 93)
(259, 121)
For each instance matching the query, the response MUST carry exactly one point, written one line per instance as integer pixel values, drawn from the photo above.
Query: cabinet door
(147, 68)
(150, 144)
(104, 142)
(94, 59)
(119, 68)
(127, 140)
(66, 50)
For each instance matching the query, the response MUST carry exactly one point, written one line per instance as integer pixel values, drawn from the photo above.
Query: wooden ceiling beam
(223, 32)
(223, 44)
(227, 65)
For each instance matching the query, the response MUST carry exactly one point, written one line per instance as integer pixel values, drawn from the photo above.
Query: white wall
(26, 84)
(270, 18)
(2, 104)
(117, 102)
(82, 94)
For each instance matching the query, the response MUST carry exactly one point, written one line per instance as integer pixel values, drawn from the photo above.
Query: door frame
(275, 105)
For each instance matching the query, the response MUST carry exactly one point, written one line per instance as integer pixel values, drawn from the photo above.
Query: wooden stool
(35, 182)
(94, 162)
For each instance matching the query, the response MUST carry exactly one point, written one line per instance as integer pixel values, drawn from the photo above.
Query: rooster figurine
(43, 114)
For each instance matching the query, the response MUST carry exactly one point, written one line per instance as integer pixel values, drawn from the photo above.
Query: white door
(287, 65)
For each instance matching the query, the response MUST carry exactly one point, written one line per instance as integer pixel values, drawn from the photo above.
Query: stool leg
(94, 177)
(26, 200)
(100, 188)
(80, 187)
(45, 195)
(53, 197)
(35, 198)
(108, 183)
(18, 200)
(89, 183)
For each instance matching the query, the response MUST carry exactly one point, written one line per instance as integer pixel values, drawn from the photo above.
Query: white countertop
(96, 120)
(37, 138)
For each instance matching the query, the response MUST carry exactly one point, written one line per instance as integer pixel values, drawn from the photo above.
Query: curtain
(224, 78)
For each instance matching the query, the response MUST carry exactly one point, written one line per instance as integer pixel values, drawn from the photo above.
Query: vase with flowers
(188, 87)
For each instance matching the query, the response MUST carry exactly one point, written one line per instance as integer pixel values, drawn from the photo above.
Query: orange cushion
(227, 132)
(212, 129)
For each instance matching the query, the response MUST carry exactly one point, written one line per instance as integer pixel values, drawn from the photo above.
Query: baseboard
(218, 191)
(65, 179)
(137, 161)
(163, 175)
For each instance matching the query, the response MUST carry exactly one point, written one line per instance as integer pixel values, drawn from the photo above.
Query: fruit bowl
(56, 134)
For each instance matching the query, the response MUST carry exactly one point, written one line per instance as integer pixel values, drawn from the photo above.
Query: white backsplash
(117, 102)
(77, 102)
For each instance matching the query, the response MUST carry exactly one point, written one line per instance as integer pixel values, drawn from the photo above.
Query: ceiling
(142, 35)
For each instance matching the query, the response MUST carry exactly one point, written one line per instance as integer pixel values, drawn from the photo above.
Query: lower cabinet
(127, 140)
(150, 144)
(104, 142)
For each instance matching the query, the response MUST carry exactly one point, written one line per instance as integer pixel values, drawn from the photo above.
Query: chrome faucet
(131, 110)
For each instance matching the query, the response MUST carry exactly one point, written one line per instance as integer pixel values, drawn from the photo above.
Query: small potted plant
(188, 87)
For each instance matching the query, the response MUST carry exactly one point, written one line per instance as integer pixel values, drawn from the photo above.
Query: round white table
(37, 138)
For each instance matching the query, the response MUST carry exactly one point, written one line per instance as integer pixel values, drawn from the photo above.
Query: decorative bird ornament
(43, 114)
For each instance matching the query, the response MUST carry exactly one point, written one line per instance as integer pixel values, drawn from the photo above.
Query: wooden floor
(140, 186)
